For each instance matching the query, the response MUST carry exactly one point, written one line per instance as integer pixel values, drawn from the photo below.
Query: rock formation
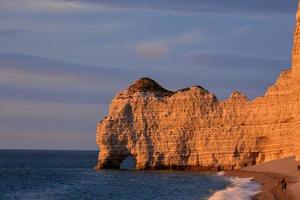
(192, 129)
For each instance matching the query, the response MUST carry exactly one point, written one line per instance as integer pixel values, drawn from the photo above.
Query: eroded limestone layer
(192, 129)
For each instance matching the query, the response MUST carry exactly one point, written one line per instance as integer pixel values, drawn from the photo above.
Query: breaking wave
(240, 189)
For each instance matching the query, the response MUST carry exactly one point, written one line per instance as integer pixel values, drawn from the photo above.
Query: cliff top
(148, 85)
(238, 95)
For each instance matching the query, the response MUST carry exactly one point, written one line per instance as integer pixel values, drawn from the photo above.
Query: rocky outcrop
(192, 129)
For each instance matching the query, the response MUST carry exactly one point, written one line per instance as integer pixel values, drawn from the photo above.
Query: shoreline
(269, 175)
(270, 184)
(241, 188)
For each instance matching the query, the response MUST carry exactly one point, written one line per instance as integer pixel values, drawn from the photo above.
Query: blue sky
(61, 61)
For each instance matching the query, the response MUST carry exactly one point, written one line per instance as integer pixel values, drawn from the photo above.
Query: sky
(62, 61)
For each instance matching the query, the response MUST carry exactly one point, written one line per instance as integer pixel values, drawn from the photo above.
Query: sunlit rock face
(192, 129)
(296, 48)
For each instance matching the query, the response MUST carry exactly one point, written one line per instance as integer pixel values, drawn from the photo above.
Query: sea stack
(191, 129)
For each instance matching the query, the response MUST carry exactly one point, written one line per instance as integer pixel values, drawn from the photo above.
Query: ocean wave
(240, 189)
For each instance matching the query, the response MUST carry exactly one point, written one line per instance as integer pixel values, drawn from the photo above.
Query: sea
(69, 175)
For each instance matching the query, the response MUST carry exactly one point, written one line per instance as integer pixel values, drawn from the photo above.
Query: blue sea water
(63, 175)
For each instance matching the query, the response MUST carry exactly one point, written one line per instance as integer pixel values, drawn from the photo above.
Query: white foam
(240, 189)
(221, 173)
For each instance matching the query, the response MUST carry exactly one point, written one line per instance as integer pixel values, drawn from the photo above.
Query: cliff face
(191, 129)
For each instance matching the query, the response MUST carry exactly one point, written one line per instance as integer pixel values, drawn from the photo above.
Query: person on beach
(283, 184)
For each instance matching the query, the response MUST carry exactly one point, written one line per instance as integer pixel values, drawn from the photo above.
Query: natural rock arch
(192, 129)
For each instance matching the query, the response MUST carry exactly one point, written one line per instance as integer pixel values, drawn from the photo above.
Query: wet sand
(270, 175)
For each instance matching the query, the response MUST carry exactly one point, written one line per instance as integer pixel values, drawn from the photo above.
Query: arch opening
(129, 163)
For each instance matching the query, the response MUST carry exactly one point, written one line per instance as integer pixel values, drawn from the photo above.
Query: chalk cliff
(192, 129)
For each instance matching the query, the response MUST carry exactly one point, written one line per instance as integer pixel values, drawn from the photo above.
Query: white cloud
(152, 50)
(57, 82)
(43, 5)
(244, 30)
(12, 108)
(14, 76)
(161, 48)
(184, 39)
